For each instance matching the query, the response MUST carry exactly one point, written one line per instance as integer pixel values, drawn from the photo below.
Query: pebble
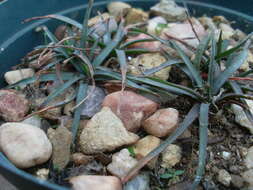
(105, 132)
(227, 31)
(248, 176)
(130, 107)
(148, 61)
(171, 156)
(145, 146)
(249, 158)
(134, 16)
(42, 173)
(92, 104)
(13, 105)
(95, 182)
(224, 177)
(140, 182)
(61, 139)
(237, 181)
(121, 163)
(33, 120)
(162, 123)
(153, 25)
(169, 10)
(24, 145)
(226, 155)
(240, 116)
(15, 76)
(117, 8)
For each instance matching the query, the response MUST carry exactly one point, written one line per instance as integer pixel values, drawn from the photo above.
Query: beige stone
(136, 16)
(15, 76)
(94, 182)
(121, 163)
(249, 158)
(224, 177)
(171, 156)
(248, 176)
(117, 8)
(24, 145)
(80, 159)
(145, 146)
(105, 132)
(148, 61)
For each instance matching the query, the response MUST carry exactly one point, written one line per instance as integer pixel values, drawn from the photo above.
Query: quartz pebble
(24, 145)
(121, 163)
(224, 177)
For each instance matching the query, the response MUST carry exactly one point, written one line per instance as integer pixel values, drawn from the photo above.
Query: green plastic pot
(16, 39)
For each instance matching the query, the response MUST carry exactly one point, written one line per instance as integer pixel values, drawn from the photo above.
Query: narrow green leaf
(110, 47)
(166, 176)
(58, 91)
(179, 172)
(195, 73)
(211, 68)
(123, 65)
(234, 64)
(188, 120)
(234, 49)
(160, 67)
(43, 78)
(203, 138)
(126, 44)
(82, 93)
(202, 47)
(84, 34)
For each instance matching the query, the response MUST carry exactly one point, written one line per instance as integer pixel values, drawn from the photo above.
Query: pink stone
(13, 106)
(130, 107)
(162, 123)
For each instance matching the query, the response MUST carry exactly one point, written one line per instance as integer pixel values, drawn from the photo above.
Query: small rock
(121, 163)
(239, 35)
(92, 104)
(248, 176)
(162, 123)
(246, 65)
(145, 146)
(105, 132)
(220, 19)
(240, 116)
(154, 25)
(33, 120)
(148, 61)
(97, 19)
(171, 156)
(94, 182)
(169, 10)
(224, 177)
(226, 155)
(186, 134)
(42, 173)
(153, 46)
(80, 159)
(13, 105)
(61, 140)
(208, 23)
(184, 32)
(135, 16)
(12, 77)
(237, 181)
(24, 145)
(227, 31)
(130, 107)
(249, 158)
(117, 8)
(140, 182)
